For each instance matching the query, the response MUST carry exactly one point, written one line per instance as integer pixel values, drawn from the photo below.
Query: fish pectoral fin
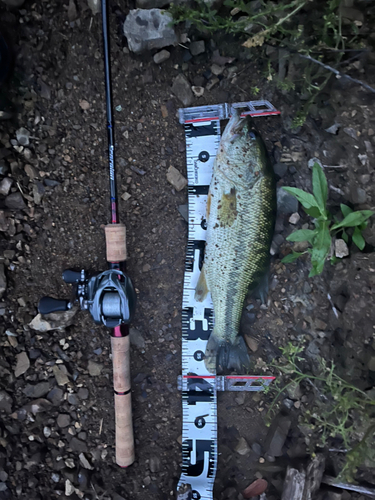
(227, 208)
(201, 290)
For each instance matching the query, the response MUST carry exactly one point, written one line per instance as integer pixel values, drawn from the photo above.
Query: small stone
(78, 445)
(83, 104)
(351, 132)
(72, 11)
(6, 402)
(184, 211)
(211, 83)
(60, 375)
(83, 393)
(256, 488)
(182, 90)
(15, 201)
(161, 56)
(55, 477)
(320, 324)
(56, 396)
(126, 196)
(333, 129)
(242, 447)
(197, 48)
(252, 343)
(23, 364)
(45, 90)
(94, 368)
(216, 69)
(3, 475)
(47, 432)
(38, 192)
(136, 338)
(341, 249)
(36, 391)
(69, 462)
(358, 196)
(175, 178)
(31, 172)
(63, 420)
(280, 169)
(164, 111)
(286, 203)
(69, 488)
(5, 186)
(84, 462)
(197, 91)
(277, 437)
(294, 218)
(23, 136)
(155, 464)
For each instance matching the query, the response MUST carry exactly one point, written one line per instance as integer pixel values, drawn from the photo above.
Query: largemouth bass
(241, 211)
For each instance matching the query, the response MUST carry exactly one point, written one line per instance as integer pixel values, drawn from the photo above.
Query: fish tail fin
(221, 355)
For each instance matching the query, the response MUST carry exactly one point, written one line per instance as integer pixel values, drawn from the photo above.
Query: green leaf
(313, 212)
(320, 186)
(291, 257)
(321, 248)
(354, 219)
(345, 210)
(345, 237)
(302, 235)
(307, 200)
(358, 239)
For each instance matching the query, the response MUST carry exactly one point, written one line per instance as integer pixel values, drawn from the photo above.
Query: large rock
(149, 29)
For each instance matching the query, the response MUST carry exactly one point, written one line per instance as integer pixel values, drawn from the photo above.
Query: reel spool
(110, 299)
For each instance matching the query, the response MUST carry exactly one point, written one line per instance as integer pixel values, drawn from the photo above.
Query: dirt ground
(58, 89)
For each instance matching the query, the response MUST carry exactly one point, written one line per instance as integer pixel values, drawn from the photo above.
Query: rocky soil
(56, 403)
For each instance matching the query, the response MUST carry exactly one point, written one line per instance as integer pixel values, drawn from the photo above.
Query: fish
(241, 213)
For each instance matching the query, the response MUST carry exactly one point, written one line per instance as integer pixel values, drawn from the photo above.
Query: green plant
(339, 409)
(311, 28)
(327, 227)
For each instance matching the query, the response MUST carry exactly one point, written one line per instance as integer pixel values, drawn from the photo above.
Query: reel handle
(123, 406)
(48, 305)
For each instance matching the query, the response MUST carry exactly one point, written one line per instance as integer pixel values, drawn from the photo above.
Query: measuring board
(199, 387)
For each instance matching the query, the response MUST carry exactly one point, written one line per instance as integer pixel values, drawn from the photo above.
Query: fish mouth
(236, 125)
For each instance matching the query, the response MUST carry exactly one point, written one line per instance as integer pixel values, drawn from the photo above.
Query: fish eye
(252, 135)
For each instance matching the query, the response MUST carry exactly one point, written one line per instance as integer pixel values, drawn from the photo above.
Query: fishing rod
(109, 296)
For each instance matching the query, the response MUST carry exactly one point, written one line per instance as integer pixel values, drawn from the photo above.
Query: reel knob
(48, 305)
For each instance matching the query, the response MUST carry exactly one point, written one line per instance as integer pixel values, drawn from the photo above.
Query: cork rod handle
(123, 407)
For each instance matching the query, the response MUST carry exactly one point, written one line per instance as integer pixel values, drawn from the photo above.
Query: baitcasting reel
(108, 296)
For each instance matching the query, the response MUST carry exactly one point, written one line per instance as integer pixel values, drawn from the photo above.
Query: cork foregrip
(115, 238)
(123, 409)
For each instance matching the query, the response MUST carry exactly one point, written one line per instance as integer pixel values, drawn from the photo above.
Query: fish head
(242, 151)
